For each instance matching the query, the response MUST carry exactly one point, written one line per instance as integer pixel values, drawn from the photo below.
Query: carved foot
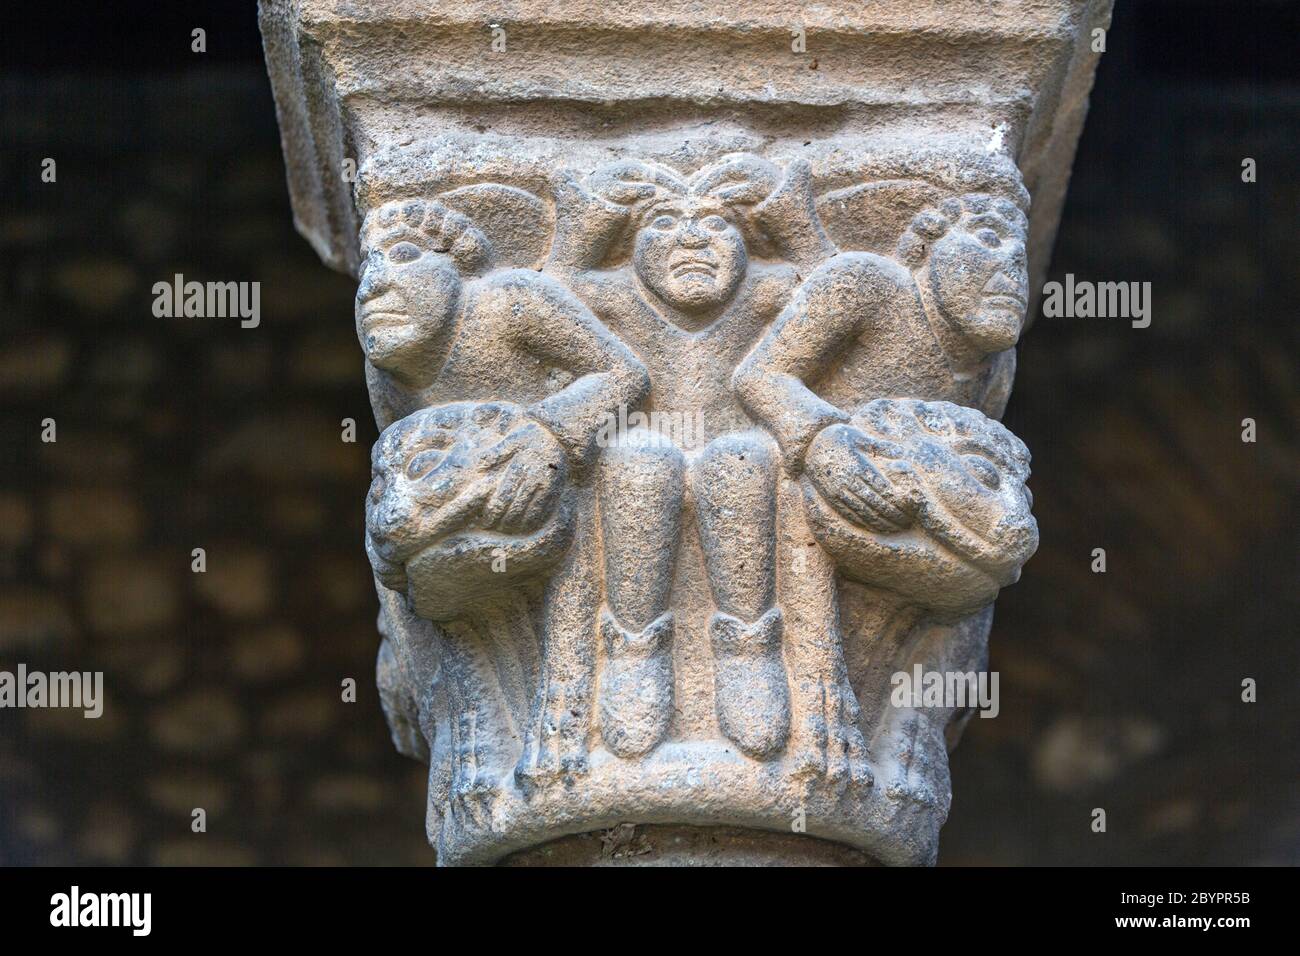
(474, 782)
(753, 700)
(556, 748)
(833, 748)
(636, 688)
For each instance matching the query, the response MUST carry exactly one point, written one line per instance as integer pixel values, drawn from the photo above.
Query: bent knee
(641, 449)
(754, 448)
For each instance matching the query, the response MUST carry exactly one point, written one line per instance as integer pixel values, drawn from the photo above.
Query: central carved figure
(692, 305)
(667, 612)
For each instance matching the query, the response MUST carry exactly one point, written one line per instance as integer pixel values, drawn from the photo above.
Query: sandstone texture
(688, 328)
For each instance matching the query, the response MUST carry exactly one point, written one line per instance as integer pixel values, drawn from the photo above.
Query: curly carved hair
(739, 182)
(930, 224)
(432, 227)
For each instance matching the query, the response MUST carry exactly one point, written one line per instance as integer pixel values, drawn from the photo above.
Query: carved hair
(431, 226)
(739, 182)
(930, 224)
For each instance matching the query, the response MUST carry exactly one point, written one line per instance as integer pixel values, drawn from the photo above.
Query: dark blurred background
(1119, 690)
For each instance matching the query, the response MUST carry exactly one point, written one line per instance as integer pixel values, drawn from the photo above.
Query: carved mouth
(375, 319)
(1003, 300)
(1003, 292)
(694, 266)
(389, 553)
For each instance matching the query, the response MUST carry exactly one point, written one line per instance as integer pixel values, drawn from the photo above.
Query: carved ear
(738, 179)
(632, 183)
(870, 217)
(516, 223)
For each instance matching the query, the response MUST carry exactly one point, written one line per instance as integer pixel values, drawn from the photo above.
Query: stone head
(416, 255)
(968, 254)
(691, 237)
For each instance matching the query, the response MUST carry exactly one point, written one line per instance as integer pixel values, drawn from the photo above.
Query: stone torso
(902, 357)
(690, 370)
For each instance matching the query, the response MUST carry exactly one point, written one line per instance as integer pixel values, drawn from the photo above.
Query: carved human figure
(938, 519)
(509, 376)
(937, 324)
(692, 303)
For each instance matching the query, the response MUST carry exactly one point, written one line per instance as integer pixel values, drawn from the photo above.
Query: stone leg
(555, 744)
(734, 483)
(641, 485)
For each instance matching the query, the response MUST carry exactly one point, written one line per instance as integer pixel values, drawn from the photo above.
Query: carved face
(419, 465)
(406, 300)
(979, 279)
(971, 474)
(690, 254)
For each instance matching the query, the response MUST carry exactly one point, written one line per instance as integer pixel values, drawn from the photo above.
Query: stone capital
(688, 327)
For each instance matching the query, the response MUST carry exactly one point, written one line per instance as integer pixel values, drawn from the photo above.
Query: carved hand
(528, 466)
(839, 463)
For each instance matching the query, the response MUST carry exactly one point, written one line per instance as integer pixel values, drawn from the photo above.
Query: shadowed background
(1119, 691)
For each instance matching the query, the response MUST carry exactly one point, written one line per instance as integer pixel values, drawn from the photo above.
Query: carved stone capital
(687, 327)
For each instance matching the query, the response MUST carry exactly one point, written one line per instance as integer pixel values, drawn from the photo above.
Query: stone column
(688, 326)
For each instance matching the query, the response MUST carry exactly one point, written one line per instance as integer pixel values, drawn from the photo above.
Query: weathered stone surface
(688, 352)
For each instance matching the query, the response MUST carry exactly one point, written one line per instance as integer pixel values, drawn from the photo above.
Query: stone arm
(544, 320)
(585, 226)
(784, 210)
(837, 304)
(789, 218)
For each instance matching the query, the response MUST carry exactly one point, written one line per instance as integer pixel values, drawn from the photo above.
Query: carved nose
(1004, 284)
(386, 518)
(692, 237)
(374, 282)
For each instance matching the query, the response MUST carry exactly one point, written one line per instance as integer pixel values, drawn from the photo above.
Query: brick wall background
(1119, 691)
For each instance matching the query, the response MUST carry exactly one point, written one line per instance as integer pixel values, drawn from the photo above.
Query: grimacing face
(407, 297)
(968, 468)
(421, 463)
(979, 277)
(690, 254)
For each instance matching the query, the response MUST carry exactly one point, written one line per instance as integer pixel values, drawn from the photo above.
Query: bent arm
(545, 320)
(835, 307)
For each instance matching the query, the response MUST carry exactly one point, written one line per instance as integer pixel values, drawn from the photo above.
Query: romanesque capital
(688, 327)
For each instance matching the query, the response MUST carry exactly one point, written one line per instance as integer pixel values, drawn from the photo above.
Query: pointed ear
(788, 216)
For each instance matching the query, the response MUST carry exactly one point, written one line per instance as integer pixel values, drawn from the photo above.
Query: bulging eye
(422, 464)
(404, 252)
(989, 238)
(983, 471)
(714, 223)
(663, 222)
